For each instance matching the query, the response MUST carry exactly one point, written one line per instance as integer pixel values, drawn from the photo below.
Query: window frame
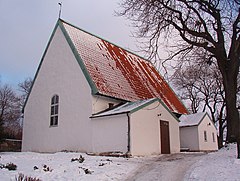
(54, 111)
(205, 136)
(213, 136)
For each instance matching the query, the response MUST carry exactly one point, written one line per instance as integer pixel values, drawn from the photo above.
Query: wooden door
(165, 141)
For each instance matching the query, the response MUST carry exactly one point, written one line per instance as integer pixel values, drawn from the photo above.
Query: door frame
(164, 137)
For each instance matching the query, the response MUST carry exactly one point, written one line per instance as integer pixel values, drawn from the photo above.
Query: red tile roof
(120, 74)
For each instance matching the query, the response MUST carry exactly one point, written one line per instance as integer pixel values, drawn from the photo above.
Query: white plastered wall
(100, 103)
(145, 130)
(209, 145)
(189, 138)
(59, 74)
(110, 133)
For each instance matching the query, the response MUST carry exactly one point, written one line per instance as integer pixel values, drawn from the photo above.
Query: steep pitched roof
(192, 119)
(116, 72)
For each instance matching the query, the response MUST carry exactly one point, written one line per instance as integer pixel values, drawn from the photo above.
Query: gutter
(113, 114)
(128, 145)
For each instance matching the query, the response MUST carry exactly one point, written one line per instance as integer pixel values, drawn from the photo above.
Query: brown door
(165, 141)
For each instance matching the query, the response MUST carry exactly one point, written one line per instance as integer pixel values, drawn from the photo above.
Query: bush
(11, 166)
(80, 159)
(2, 166)
(47, 168)
(86, 171)
(21, 177)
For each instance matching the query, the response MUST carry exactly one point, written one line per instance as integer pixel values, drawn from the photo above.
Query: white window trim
(54, 111)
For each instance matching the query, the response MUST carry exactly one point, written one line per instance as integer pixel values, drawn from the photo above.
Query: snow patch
(62, 168)
(221, 165)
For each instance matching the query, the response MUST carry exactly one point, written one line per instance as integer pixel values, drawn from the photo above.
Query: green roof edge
(206, 114)
(152, 101)
(173, 115)
(140, 107)
(128, 52)
(202, 118)
(83, 68)
(78, 58)
(132, 111)
(40, 64)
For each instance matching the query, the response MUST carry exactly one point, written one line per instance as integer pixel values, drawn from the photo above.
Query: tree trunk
(238, 138)
(220, 137)
(232, 115)
(220, 142)
(229, 72)
(233, 122)
(238, 149)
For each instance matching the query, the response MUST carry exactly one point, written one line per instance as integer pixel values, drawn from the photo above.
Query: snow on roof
(125, 108)
(118, 73)
(191, 119)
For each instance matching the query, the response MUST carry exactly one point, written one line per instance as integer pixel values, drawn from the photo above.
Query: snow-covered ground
(62, 168)
(221, 165)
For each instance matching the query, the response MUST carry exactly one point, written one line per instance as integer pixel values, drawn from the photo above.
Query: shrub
(47, 168)
(80, 159)
(86, 171)
(2, 166)
(11, 166)
(22, 177)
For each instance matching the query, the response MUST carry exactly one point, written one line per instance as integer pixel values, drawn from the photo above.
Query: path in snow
(166, 167)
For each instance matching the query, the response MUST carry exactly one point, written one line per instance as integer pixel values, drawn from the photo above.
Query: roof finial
(60, 10)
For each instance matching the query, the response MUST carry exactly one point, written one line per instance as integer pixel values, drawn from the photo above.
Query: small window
(213, 137)
(54, 110)
(205, 136)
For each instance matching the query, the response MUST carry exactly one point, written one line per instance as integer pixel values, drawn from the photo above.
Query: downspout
(128, 145)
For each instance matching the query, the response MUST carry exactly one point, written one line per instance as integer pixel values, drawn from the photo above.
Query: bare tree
(25, 87)
(10, 110)
(202, 89)
(209, 26)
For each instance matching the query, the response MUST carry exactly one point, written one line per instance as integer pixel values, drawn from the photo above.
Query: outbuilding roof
(191, 119)
(115, 72)
(125, 108)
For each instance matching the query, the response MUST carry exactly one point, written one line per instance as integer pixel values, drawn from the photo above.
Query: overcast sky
(26, 25)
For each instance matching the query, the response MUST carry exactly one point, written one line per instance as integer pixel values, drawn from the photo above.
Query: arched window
(54, 110)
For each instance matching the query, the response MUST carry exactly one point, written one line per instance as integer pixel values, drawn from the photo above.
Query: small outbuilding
(198, 132)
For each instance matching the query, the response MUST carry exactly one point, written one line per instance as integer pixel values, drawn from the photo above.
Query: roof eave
(186, 126)
(113, 114)
(39, 66)
(108, 96)
(78, 58)
(172, 114)
(206, 114)
(152, 101)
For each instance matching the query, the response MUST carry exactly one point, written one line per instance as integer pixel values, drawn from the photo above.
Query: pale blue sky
(26, 25)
